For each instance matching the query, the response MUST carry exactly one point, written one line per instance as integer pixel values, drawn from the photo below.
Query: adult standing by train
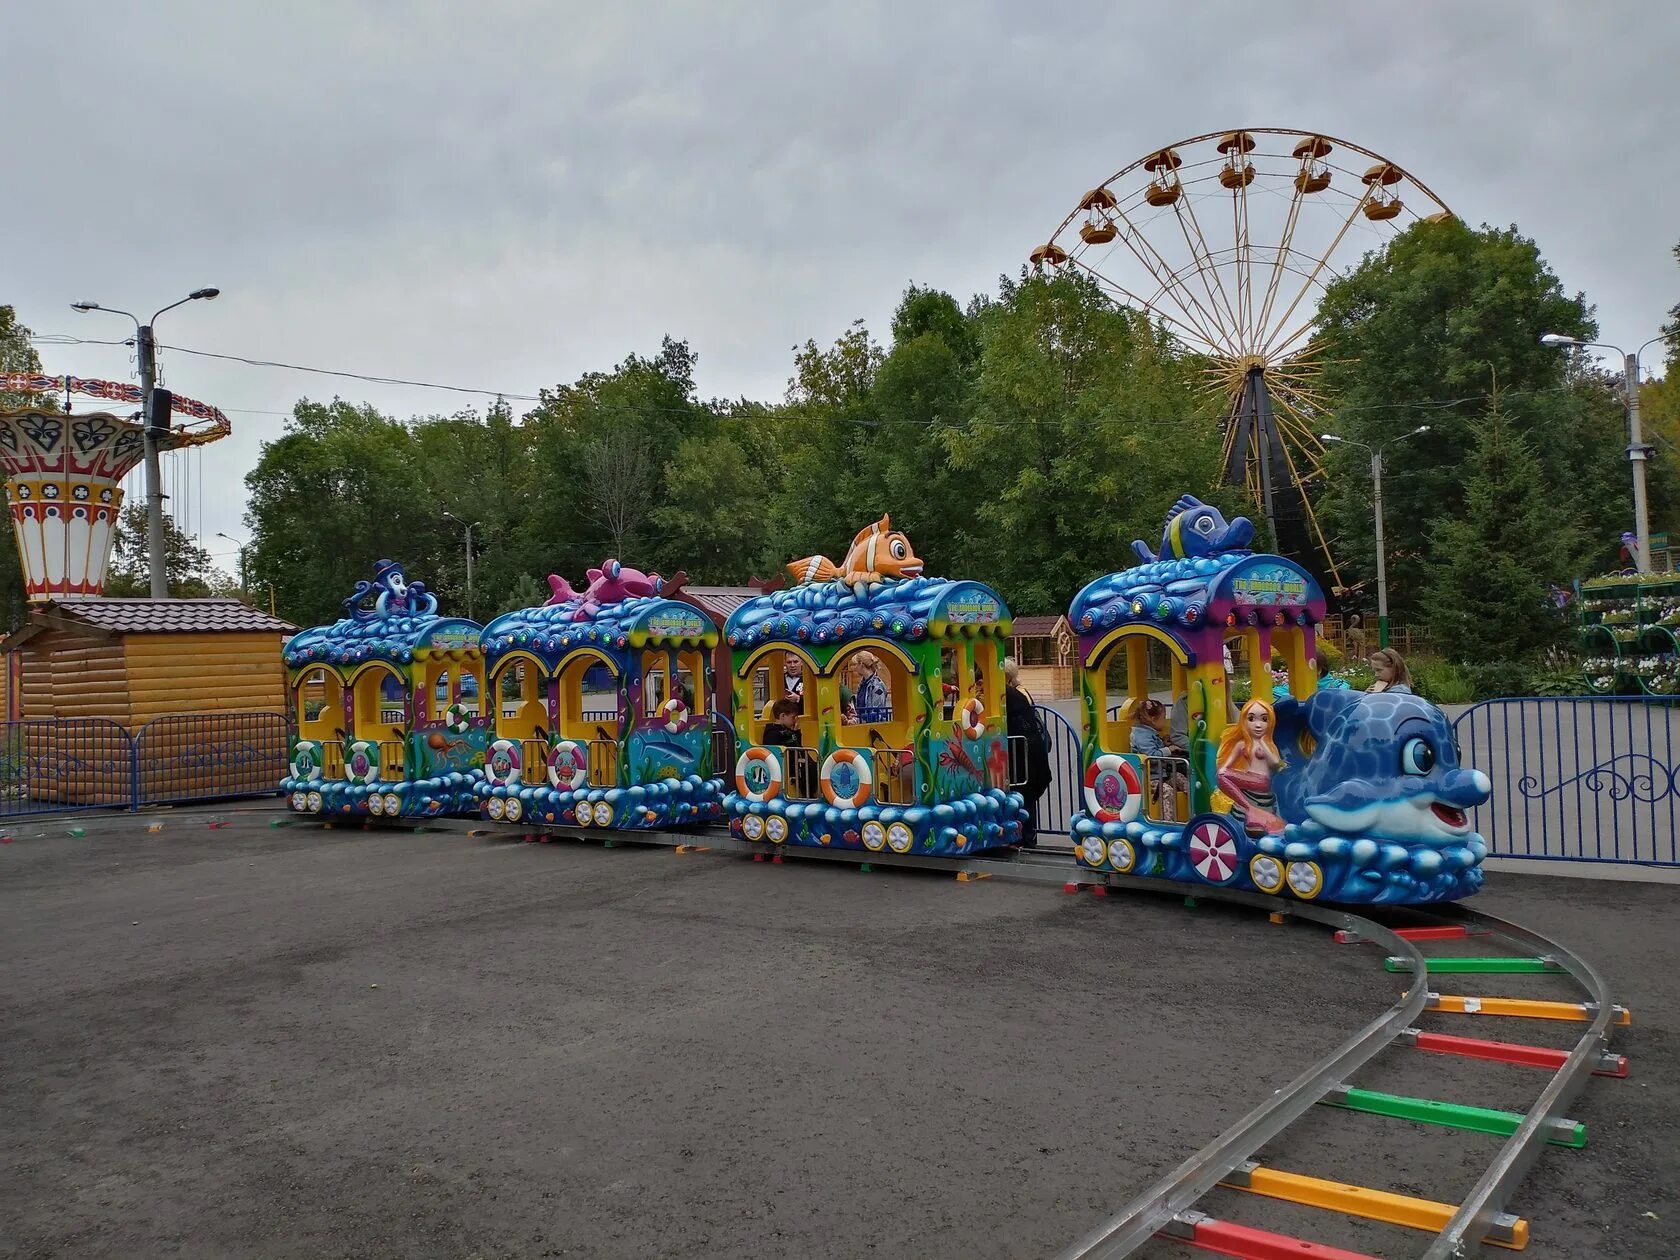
(1029, 767)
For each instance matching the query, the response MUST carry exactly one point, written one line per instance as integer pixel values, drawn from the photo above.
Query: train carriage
(1317, 794)
(388, 705)
(602, 705)
(897, 741)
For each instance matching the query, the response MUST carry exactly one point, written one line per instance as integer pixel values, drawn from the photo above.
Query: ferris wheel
(1228, 240)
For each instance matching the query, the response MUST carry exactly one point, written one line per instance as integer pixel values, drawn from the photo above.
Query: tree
(618, 476)
(1492, 570)
(1419, 334)
(186, 565)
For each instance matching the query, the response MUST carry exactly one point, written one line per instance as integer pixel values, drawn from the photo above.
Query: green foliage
(186, 565)
(1421, 333)
(1488, 581)
(1443, 682)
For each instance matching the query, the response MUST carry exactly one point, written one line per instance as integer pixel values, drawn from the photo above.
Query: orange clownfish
(879, 553)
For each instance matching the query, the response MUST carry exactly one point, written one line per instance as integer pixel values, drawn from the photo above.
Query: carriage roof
(551, 631)
(393, 638)
(913, 610)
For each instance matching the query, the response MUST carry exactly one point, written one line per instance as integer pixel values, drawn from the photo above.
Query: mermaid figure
(1247, 758)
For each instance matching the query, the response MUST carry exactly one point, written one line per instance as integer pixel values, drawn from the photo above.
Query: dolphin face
(1383, 766)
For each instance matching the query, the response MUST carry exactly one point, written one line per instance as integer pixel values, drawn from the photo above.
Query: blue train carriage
(388, 703)
(603, 699)
(898, 742)
(1325, 794)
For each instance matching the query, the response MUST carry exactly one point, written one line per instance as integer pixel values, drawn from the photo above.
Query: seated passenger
(874, 697)
(1148, 741)
(798, 764)
(900, 763)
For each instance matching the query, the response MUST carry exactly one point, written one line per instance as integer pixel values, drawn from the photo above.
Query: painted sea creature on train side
(1193, 528)
(879, 553)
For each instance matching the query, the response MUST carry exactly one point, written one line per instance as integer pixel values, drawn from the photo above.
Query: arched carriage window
(319, 704)
(521, 706)
(880, 686)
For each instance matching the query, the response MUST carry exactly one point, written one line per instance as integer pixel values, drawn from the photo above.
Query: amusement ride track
(1167, 1209)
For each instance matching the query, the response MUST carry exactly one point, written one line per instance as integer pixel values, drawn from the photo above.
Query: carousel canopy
(552, 630)
(911, 610)
(1184, 596)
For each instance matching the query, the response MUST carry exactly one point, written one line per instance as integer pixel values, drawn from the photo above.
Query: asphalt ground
(288, 1041)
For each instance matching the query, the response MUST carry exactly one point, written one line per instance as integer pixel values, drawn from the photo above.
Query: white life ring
(972, 720)
(502, 763)
(758, 775)
(1113, 791)
(306, 761)
(361, 764)
(456, 718)
(568, 766)
(676, 713)
(856, 778)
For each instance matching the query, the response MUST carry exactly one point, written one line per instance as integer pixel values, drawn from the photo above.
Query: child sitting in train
(1148, 740)
(782, 731)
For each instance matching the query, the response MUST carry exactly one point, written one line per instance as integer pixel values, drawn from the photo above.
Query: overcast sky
(506, 195)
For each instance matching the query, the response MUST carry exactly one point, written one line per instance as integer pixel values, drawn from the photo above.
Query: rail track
(1168, 1209)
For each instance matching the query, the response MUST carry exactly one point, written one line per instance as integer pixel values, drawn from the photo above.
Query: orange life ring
(758, 775)
(847, 778)
(972, 720)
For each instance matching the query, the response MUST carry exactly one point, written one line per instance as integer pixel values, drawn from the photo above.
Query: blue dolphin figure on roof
(1193, 528)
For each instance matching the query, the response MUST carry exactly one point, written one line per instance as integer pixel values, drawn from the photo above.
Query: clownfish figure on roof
(1332, 795)
(870, 705)
(389, 704)
(602, 707)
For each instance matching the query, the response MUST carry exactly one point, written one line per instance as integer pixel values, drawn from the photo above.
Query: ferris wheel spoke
(1281, 253)
(1201, 260)
(1195, 335)
(1268, 337)
(1307, 505)
(1245, 262)
(1215, 333)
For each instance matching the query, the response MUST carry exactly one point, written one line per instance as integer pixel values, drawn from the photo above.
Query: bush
(1493, 679)
(1333, 656)
(1442, 682)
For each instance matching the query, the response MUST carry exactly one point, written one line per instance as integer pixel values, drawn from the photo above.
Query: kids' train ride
(863, 709)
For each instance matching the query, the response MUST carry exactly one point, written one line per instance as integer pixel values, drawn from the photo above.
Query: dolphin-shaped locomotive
(1371, 789)
(1193, 528)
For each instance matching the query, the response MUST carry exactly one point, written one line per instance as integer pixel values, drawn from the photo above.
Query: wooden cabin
(1044, 649)
(132, 660)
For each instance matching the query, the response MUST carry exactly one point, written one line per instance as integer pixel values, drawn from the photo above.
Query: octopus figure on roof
(1331, 795)
(602, 707)
(390, 706)
(869, 703)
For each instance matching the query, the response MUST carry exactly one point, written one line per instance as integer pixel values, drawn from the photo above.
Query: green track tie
(1449, 1115)
(1478, 966)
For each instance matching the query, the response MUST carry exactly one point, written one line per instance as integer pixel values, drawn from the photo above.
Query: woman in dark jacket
(1029, 768)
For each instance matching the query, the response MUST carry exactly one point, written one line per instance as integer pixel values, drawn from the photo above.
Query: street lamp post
(470, 525)
(1376, 453)
(244, 584)
(145, 349)
(1636, 451)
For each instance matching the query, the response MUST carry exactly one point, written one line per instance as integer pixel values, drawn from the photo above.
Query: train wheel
(1266, 872)
(1091, 851)
(1306, 880)
(1215, 844)
(752, 827)
(1121, 856)
(900, 838)
(776, 828)
(874, 837)
(514, 810)
(495, 808)
(603, 814)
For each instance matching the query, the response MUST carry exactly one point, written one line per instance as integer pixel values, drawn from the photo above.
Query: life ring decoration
(1113, 791)
(568, 766)
(971, 720)
(456, 719)
(306, 761)
(846, 777)
(676, 713)
(361, 763)
(502, 763)
(758, 775)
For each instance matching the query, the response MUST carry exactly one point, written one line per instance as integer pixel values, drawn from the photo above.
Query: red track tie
(1226, 1239)
(1506, 1052)
(1070, 888)
(1450, 933)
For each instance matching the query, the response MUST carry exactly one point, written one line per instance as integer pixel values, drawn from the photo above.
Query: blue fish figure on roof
(1194, 528)
(393, 594)
(1375, 783)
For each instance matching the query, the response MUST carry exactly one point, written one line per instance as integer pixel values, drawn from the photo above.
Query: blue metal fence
(1577, 778)
(61, 765)
(1067, 770)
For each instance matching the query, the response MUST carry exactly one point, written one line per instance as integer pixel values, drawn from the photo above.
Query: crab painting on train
(387, 706)
(1327, 795)
(869, 707)
(601, 702)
